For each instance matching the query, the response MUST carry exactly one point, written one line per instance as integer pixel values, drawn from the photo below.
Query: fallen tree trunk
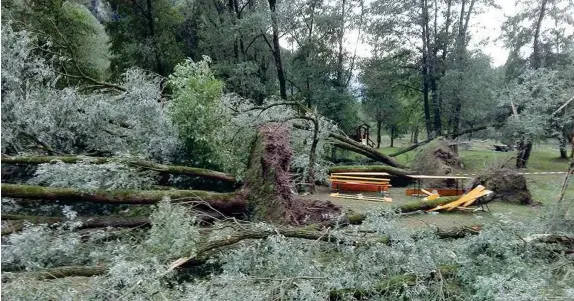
(453, 136)
(356, 219)
(352, 145)
(172, 169)
(225, 202)
(59, 272)
(87, 222)
(410, 148)
(209, 249)
(371, 168)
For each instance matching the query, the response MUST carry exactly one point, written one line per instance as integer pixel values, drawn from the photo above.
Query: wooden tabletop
(437, 177)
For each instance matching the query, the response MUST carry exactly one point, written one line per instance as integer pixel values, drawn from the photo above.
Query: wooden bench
(418, 189)
(359, 182)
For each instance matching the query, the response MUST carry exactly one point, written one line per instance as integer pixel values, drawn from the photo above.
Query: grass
(544, 188)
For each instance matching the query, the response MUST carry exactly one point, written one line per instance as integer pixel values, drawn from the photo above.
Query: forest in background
(155, 149)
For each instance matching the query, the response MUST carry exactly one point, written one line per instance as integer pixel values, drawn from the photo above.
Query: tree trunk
(524, 149)
(393, 130)
(87, 222)
(379, 125)
(424, 74)
(313, 158)
(341, 34)
(151, 27)
(563, 149)
(277, 50)
(416, 134)
(225, 202)
(536, 57)
(370, 168)
(59, 272)
(365, 150)
(171, 169)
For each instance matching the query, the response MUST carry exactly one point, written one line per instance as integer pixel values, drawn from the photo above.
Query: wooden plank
(485, 192)
(437, 177)
(473, 194)
(359, 178)
(358, 173)
(358, 181)
(426, 192)
(360, 187)
(465, 198)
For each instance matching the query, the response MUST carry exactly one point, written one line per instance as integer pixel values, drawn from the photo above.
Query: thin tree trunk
(151, 26)
(86, 222)
(379, 125)
(536, 57)
(370, 152)
(370, 168)
(424, 72)
(563, 144)
(525, 143)
(277, 50)
(313, 158)
(393, 130)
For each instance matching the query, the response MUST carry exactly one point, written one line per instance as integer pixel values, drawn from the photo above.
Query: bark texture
(172, 169)
(16, 221)
(370, 168)
(224, 202)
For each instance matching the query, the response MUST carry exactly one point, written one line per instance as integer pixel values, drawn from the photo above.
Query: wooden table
(458, 190)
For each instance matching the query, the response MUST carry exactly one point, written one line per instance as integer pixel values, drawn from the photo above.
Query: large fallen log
(211, 248)
(59, 272)
(453, 136)
(172, 169)
(371, 168)
(16, 221)
(225, 202)
(410, 148)
(352, 145)
(356, 219)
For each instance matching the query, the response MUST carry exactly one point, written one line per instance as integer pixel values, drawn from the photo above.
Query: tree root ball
(507, 185)
(436, 158)
(267, 187)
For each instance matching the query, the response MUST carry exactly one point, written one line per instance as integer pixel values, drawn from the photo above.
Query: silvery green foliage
(174, 232)
(535, 94)
(35, 112)
(42, 246)
(89, 176)
(493, 265)
(243, 119)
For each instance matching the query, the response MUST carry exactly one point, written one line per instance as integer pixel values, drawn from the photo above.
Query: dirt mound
(267, 187)
(507, 185)
(436, 158)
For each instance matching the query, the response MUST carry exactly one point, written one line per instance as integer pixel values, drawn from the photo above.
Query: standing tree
(543, 36)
